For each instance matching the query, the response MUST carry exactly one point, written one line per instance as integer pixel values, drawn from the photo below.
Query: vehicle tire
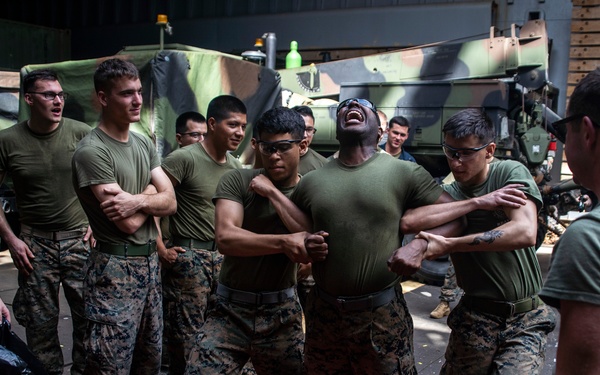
(432, 272)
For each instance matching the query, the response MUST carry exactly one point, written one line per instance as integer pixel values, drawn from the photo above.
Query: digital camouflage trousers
(189, 285)
(268, 334)
(36, 304)
(486, 344)
(123, 306)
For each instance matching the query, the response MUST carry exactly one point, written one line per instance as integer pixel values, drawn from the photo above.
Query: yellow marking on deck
(410, 285)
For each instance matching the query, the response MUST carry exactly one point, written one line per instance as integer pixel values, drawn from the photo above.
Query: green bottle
(293, 58)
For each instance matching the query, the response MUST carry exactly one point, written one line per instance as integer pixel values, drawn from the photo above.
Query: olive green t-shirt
(497, 275)
(100, 159)
(265, 273)
(360, 207)
(197, 175)
(310, 161)
(40, 168)
(575, 270)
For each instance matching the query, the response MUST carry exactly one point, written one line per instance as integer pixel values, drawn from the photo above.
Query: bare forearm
(435, 215)
(131, 224)
(506, 237)
(159, 204)
(243, 243)
(293, 218)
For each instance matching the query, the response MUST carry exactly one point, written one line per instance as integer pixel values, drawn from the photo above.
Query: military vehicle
(507, 76)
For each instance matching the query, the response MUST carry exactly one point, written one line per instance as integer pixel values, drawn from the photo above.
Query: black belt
(54, 236)
(125, 249)
(194, 243)
(262, 298)
(359, 303)
(503, 309)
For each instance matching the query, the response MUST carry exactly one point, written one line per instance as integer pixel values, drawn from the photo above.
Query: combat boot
(442, 310)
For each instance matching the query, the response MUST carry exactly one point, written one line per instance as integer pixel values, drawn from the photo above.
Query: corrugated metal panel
(65, 14)
(24, 44)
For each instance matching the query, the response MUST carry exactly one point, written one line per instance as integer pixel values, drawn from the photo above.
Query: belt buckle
(340, 303)
(513, 307)
(534, 302)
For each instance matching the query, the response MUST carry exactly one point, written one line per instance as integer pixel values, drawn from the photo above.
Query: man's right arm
(447, 209)
(19, 251)
(232, 239)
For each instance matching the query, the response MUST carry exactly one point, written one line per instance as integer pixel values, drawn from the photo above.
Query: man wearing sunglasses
(500, 323)
(357, 320)
(54, 241)
(257, 314)
(573, 283)
(191, 263)
(190, 127)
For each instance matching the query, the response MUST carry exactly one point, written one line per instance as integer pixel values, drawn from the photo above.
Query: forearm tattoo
(487, 237)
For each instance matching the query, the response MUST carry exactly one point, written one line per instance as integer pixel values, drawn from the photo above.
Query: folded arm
(519, 232)
(232, 239)
(130, 211)
(447, 209)
(294, 219)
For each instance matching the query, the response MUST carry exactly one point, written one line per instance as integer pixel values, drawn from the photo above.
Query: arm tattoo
(488, 237)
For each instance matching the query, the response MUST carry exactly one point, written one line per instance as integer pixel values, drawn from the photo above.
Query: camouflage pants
(36, 304)
(450, 289)
(188, 285)
(485, 344)
(123, 306)
(270, 334)
(359, 342)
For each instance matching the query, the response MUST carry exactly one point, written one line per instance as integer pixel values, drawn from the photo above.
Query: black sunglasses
(462, 154)
(363, 102)
(280, 147)
(560, 126)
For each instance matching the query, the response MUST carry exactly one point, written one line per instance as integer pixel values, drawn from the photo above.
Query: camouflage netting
(174, 81)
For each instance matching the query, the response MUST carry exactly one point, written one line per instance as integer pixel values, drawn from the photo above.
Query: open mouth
(354, 114)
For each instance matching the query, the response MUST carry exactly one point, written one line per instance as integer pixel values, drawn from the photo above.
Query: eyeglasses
(194, 134)
(462, 154)
(311, 130)
(49, 95)
(561, 125)
(363, 102)
(280, 147)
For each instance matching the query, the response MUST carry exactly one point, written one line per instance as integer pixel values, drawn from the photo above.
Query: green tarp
(173, 81)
